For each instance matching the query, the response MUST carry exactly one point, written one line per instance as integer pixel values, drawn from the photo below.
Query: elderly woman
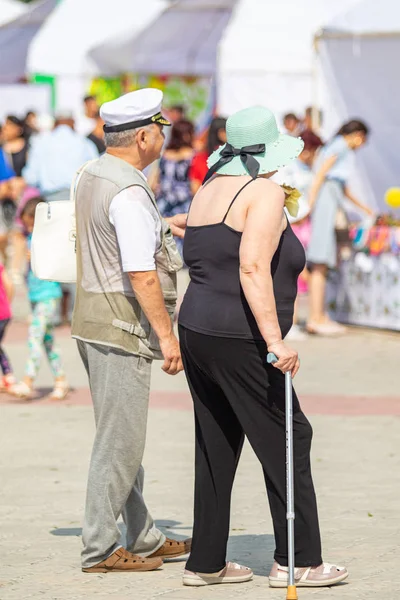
(244, 261)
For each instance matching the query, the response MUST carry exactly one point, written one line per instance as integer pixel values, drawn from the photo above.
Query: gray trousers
(120, 386)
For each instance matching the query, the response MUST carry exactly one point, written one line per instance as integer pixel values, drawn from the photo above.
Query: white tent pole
(315, 88)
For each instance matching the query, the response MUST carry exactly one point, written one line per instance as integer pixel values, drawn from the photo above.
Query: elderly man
(126, 295)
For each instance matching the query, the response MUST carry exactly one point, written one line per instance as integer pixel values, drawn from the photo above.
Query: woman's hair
(311, 141)
(182, 134)
(354, 126)
(19, 123)
(213, 140)
(30, 207)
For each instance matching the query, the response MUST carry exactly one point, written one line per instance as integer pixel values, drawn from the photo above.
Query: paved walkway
(348, 387)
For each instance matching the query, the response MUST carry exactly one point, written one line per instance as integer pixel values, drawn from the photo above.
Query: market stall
(366, 289)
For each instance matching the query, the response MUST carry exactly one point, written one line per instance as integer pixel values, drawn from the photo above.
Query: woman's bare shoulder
(264, 186)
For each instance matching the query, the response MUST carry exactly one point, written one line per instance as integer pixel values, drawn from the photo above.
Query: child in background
(6, 295)
(43, 296)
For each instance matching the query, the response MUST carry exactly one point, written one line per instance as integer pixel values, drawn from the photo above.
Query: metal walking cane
(291, 589)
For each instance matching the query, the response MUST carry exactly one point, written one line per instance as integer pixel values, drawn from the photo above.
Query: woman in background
(31, 123)
(7, 177)
(15, 143)
(173, 190)
(216, 137)
(299, 175)
(329, 189)
(15, 136)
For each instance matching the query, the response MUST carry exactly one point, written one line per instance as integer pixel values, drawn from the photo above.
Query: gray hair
(122, 139)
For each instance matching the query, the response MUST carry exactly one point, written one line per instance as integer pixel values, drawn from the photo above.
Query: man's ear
(142, 138)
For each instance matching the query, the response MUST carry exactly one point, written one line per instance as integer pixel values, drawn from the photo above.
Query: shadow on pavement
(163, 524)
(39, 395)
(169, 524)
(67, 531)
(254, 551)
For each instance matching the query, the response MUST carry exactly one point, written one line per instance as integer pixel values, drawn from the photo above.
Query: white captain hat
(133, 110)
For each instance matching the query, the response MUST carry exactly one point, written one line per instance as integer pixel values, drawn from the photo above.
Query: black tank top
(214, 303)
(18, 160)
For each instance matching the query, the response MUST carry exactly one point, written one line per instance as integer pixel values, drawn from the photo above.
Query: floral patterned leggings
(41, 335)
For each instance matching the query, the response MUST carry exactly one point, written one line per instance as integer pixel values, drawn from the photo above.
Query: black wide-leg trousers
(236, 394)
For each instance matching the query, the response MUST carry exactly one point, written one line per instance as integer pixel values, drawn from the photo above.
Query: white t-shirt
(138, 229)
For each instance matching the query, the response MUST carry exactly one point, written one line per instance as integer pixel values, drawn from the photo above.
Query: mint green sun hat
(254, 145)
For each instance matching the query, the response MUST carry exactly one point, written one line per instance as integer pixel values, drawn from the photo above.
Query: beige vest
(106, 310)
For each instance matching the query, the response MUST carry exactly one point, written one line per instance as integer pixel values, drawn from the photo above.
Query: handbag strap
(77, 177)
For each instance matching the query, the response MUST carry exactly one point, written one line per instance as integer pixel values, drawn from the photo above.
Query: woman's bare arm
(261, 235)
(262, 232)
(357, 203)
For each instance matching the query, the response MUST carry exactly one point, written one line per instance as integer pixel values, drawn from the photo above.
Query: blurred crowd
(38, 166)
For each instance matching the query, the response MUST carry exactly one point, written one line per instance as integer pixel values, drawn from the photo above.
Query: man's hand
(147, 288)
(178, 224)
(172, 355)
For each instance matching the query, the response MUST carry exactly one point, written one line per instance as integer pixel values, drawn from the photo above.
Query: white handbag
(53, 248)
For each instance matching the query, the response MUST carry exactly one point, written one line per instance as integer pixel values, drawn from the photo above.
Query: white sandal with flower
(321, 576)
(231, 573)
(61, 390)
(21, 390)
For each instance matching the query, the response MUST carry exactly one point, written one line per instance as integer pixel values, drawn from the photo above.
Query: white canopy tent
(16, 37)
(11, 9)
(61, 47)
(260, 50)
(359, 59)
(181, 41)
(266, 54)
(76, 26)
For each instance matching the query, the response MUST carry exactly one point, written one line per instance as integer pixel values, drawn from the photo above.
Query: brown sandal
(173, 549)
(123, 561)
